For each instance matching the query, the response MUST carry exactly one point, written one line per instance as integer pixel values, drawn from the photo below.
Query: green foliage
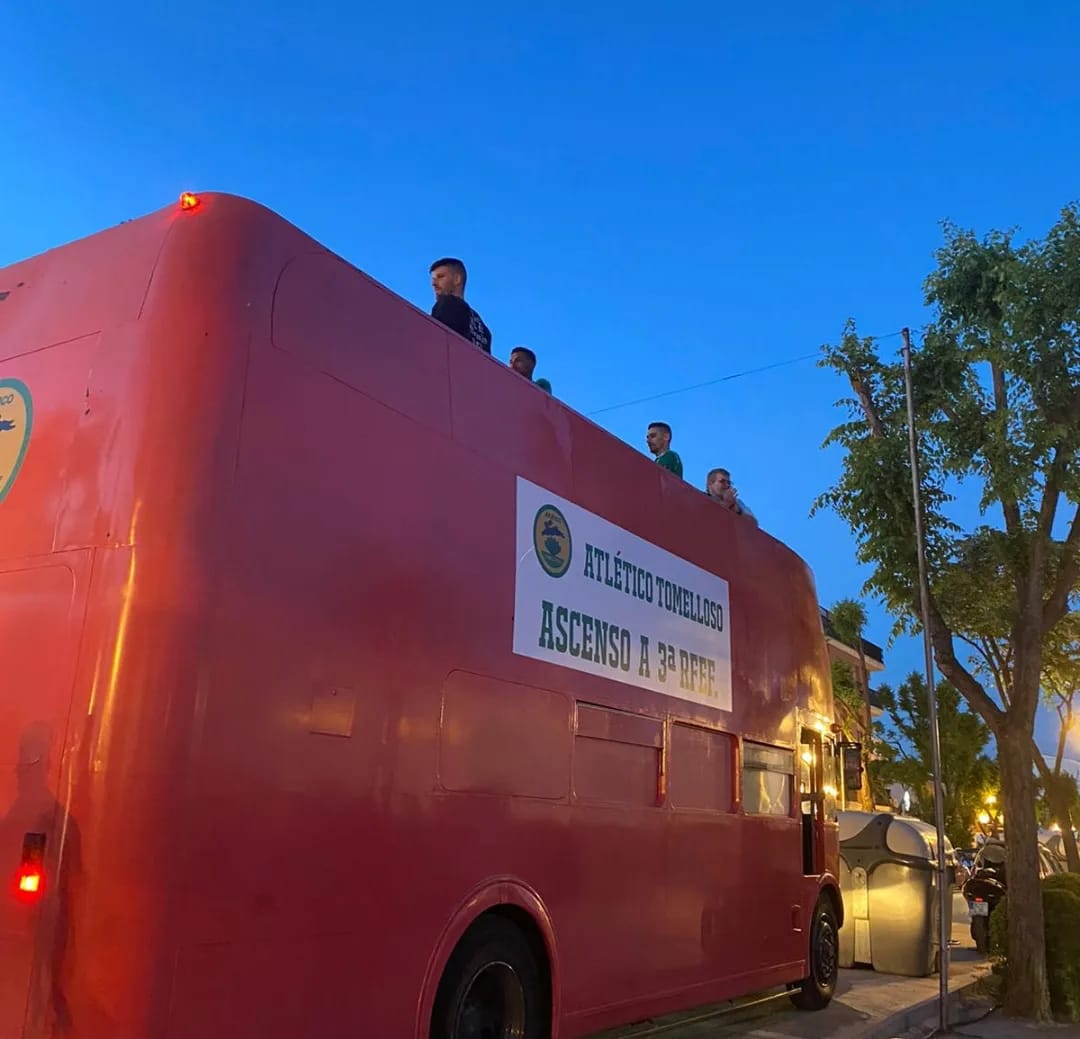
(1063, 882)
(996, 387)
(996, 392)
(1061, 662)
(905, 756)
(849, 619)
(1061, 909)
(851, 690)
(845, 690)
(874, 490)
(1059, 791)
(999, 931)
(977, 595)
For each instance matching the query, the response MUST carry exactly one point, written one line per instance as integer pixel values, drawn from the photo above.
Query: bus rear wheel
(816, 990)
(491, 988)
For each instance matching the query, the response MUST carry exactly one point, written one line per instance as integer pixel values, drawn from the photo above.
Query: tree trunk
(1068, 841)
(1026, 994)
(1059, 806)
(1059, 799)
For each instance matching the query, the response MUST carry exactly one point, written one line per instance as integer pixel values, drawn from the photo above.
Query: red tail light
(30, 879)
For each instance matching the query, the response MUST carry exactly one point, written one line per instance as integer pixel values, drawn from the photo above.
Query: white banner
(594, 597)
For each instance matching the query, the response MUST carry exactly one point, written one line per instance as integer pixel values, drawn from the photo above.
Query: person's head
(718, 483)
(523, 361)
(658, 437)
(448, 277)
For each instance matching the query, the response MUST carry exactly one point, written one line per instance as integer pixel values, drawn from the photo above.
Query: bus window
(617, 756)
(701, 773)
(767, 777)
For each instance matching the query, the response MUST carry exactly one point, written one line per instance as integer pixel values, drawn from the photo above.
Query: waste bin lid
(914, 837)
(853, 823)
(905, 836)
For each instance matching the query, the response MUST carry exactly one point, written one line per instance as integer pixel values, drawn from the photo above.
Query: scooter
(984, 889)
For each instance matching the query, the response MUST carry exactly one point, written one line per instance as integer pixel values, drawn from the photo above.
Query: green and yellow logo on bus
(551, 538)
(16, 420)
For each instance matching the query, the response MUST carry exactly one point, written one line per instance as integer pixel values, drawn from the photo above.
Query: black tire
(492, 987)
(980, 932)
(816, 990)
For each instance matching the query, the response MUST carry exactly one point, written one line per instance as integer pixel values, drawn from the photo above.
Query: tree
(978, 593)
(849, 620)
(966, 770)
(996, 387)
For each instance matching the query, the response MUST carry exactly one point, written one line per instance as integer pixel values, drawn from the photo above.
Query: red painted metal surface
(256, 596)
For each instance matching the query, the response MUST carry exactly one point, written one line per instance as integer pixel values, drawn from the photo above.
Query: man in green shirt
(658, 438)
(523, 361)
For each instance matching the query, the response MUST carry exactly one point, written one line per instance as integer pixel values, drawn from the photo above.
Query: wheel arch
(513, 900)
(830, 889)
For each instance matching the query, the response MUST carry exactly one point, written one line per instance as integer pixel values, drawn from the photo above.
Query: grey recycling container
(889, 880)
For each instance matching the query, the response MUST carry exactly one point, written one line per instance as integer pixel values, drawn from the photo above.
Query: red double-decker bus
(353, 686)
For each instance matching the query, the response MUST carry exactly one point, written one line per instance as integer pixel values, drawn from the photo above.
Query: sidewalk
(866, 1006)
(979, 1021)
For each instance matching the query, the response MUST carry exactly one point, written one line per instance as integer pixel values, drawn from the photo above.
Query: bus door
(812, 800)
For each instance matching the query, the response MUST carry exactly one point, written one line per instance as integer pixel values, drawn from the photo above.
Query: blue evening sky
(650, 197)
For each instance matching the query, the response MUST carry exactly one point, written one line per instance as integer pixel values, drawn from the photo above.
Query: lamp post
(943, 892)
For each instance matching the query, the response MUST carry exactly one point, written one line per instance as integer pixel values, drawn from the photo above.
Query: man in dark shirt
(448, 280)
(523, 361)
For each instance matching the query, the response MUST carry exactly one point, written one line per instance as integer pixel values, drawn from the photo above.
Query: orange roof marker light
(189, 200)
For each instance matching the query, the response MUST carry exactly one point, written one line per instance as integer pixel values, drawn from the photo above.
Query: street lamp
(990, 819)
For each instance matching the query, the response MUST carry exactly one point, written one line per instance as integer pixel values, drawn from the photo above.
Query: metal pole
(944, 890)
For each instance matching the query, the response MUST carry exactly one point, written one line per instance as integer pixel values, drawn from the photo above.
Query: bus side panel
(317, 728)
(42, 605)
(135, 676)
(43, 493)
(362, 544)
(80, 288)
(100, 967)
(343, 518)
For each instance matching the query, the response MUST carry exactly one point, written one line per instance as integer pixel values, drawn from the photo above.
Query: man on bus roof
(448, 277)
(523, 361)
(718, 487)
(658, 437)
